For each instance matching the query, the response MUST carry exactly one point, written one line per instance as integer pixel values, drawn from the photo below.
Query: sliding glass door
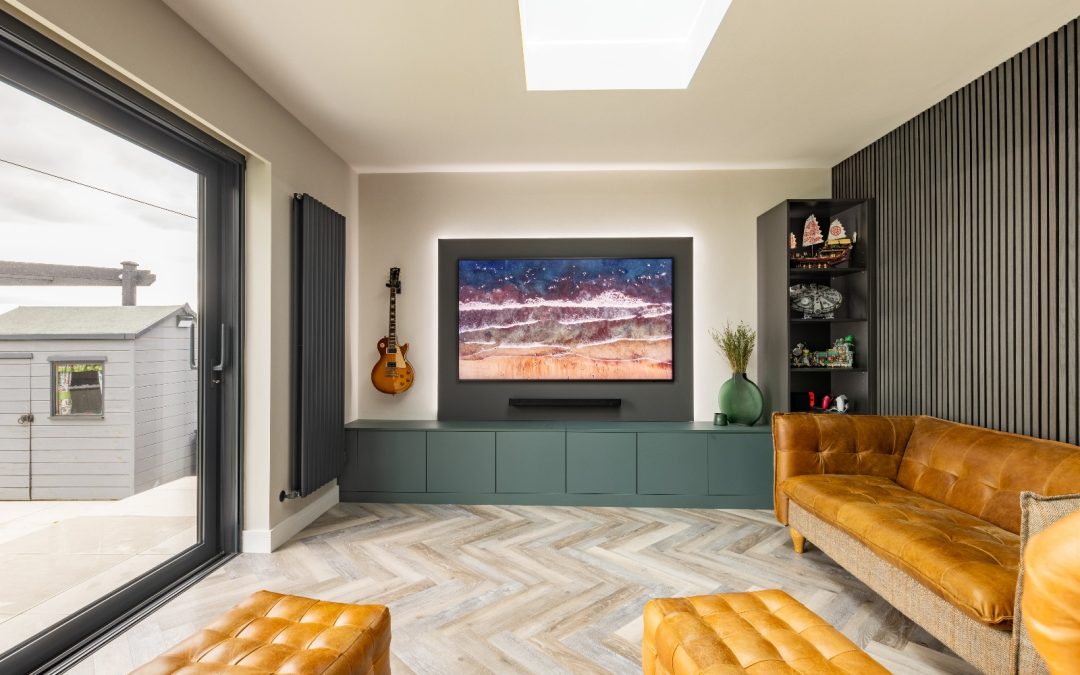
(119, 326)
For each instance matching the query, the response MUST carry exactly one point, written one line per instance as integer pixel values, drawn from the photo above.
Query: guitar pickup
(391, 364)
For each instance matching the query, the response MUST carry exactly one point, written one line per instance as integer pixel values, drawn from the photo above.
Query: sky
(46, 220)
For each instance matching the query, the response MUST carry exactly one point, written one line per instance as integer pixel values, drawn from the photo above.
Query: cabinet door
(601, 463)
(530, 462)
(740, 464)
(385, 461)
(672, 464)
(461, 461)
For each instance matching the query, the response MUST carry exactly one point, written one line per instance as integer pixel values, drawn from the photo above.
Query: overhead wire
(99, 189)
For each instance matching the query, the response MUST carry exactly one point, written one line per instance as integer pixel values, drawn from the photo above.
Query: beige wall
(403, 215)
(146, 44)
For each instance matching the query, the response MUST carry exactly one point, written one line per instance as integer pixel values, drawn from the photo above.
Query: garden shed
(96, 402)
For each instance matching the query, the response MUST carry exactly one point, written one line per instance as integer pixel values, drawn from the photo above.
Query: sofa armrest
(809, 443)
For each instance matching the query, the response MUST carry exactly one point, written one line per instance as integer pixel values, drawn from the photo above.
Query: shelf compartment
(828, 272)
(828, 370)
(836, 320)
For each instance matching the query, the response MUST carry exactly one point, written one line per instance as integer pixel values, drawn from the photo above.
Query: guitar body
(392, 374)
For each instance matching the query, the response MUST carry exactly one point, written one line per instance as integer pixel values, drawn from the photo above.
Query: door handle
(217, 372)
(26, 419)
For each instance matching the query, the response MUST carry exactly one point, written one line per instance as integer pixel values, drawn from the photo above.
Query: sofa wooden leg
(797, 540)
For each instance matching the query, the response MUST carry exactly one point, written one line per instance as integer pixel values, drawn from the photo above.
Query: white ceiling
(435, 85)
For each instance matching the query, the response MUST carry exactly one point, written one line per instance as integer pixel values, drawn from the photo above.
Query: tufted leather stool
(758, 632)
(275, 633)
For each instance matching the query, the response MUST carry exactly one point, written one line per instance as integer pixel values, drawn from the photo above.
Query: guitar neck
(392, 333)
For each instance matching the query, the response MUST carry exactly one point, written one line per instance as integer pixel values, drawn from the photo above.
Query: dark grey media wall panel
(640, 400)
(979, 248)
(681, 464)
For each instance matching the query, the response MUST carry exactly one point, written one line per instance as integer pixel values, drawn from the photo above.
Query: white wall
(402, 216)
(150, 47)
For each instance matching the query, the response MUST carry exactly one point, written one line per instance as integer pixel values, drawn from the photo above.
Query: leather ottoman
(275, 633)
(756, 632)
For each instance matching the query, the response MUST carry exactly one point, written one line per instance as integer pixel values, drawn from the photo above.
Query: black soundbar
(566, 402)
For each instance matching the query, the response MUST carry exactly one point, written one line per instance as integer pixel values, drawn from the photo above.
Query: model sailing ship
(836, 249)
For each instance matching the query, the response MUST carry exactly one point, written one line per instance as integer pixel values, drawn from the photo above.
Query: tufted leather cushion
(967, 561)
(983, 472)
(764, 632)
(803, 443)
(1051, 596)
(274, 633)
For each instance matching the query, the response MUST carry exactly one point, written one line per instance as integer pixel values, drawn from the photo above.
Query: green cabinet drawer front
(461, 461)
(601, 463)
(385, 461)
(530, 461)
(672, 464)
(740, 464)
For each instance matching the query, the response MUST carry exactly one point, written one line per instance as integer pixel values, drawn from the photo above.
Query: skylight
(616, 44)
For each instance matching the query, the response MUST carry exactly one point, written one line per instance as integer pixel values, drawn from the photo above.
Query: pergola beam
(128, 276)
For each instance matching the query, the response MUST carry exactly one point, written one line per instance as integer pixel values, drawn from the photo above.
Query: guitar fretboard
(391, 348)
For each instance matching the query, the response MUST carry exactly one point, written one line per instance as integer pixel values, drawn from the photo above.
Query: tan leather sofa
(924, 511)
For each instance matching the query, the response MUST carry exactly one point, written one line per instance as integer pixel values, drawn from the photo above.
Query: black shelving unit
(780, 328)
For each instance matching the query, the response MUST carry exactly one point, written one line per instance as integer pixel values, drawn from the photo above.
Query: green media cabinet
(666, 464)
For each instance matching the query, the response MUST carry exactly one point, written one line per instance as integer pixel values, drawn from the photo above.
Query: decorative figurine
(840, 355)
(791, 240)
(800, 356)
(840, 404)
(814, 300)
(836, 250)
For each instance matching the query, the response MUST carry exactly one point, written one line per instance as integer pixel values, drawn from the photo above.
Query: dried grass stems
(736, 344)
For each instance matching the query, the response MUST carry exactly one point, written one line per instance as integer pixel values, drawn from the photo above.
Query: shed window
(79, 389)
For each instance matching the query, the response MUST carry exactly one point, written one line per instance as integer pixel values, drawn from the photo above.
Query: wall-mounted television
(528, 319)
(566, 329)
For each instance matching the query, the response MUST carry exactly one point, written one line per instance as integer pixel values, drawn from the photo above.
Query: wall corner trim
(268, 541)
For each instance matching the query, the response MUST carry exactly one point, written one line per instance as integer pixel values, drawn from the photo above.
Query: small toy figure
(840, 404)
(800, 356)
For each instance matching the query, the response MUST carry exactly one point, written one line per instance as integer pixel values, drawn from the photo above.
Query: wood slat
(979, 250)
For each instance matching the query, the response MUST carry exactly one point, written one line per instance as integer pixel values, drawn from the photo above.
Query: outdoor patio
(57, 556)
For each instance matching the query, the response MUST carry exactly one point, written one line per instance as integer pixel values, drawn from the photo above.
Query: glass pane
(79, 389)
(98, 371)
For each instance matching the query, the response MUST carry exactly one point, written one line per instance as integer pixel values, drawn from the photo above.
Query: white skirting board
(267, 541)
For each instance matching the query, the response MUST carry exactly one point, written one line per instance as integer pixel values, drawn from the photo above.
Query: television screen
(565, 319)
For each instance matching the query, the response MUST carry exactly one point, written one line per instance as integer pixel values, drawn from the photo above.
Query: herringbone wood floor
(532, 589)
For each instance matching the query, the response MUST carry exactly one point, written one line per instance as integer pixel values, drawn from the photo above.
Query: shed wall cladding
(14, 437)
(979, 251)
(166, 404)
(82, 458)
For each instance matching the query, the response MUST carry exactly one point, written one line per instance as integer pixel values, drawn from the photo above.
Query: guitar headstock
(395, 279)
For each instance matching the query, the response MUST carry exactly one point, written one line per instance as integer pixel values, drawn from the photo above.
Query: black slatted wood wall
(978, 248)
(318, 359)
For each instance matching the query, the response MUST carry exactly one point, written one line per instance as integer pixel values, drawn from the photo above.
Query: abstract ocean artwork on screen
(565, 319)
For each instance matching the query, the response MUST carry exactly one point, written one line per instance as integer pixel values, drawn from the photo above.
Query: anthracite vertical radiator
(318, 345)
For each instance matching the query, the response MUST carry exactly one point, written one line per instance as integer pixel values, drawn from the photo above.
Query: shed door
(15, 426)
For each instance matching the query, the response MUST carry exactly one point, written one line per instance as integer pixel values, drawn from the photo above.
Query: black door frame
(35, 64)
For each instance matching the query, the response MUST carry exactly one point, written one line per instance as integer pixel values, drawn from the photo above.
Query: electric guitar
(392, 374)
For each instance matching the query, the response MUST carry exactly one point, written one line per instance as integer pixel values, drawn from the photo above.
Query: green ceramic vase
(741, 400)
